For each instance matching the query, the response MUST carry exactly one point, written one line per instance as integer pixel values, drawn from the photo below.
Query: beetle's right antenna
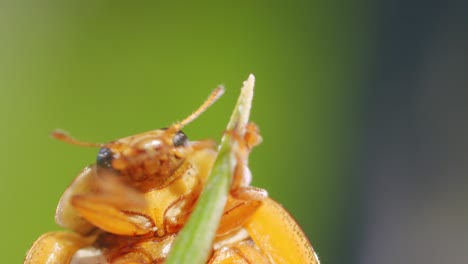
(60, 135)
(215, 95)
(208, 102)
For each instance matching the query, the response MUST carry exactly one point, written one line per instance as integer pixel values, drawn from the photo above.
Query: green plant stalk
(194, 242)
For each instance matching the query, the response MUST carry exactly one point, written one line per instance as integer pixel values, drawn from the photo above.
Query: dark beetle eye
(104, 158)
(180, 139)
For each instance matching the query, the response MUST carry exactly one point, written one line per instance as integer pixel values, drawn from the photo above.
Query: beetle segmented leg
(177, 213)
(242, 177)
(240, 252)
(250, 193)
(236, 213)
(106, 204)
(110, 218)
(244, 199)
(252, 135)
(56, 247)
(141, 250)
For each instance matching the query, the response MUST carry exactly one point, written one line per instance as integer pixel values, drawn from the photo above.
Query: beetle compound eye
(104, 158)
(180, 139)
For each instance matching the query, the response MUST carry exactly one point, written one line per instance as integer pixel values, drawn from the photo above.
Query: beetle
(129, 206)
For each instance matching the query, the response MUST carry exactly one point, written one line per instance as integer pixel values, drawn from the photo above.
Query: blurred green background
(362, 106)
(103, 70)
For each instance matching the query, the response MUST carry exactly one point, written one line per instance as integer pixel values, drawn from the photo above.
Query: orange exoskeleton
(129, 206)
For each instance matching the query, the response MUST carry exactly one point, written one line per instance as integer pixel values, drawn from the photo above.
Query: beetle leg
(113, 207)
(240, 252)
(240, 188)
(182, 198)
(178, 212)
(242, 177)
(252, 135)
(236, 213)
(243, 199)
(56, 247)
(66, 215)
(146, 251)
(110, 218)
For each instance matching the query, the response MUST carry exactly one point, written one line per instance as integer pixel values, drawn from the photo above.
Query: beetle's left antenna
(60, 135)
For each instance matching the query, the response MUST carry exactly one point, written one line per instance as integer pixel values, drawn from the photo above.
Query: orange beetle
(129, 206)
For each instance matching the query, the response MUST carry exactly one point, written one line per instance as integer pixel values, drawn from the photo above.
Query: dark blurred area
(414, 163)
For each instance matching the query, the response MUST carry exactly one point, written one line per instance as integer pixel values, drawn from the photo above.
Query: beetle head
(148, 156)
(148, 160)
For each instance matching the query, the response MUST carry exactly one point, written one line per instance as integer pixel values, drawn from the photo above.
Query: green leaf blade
(194, 242)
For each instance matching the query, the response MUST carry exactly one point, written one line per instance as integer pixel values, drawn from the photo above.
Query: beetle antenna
(62, 136)
(208, 102)
(215, 95)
